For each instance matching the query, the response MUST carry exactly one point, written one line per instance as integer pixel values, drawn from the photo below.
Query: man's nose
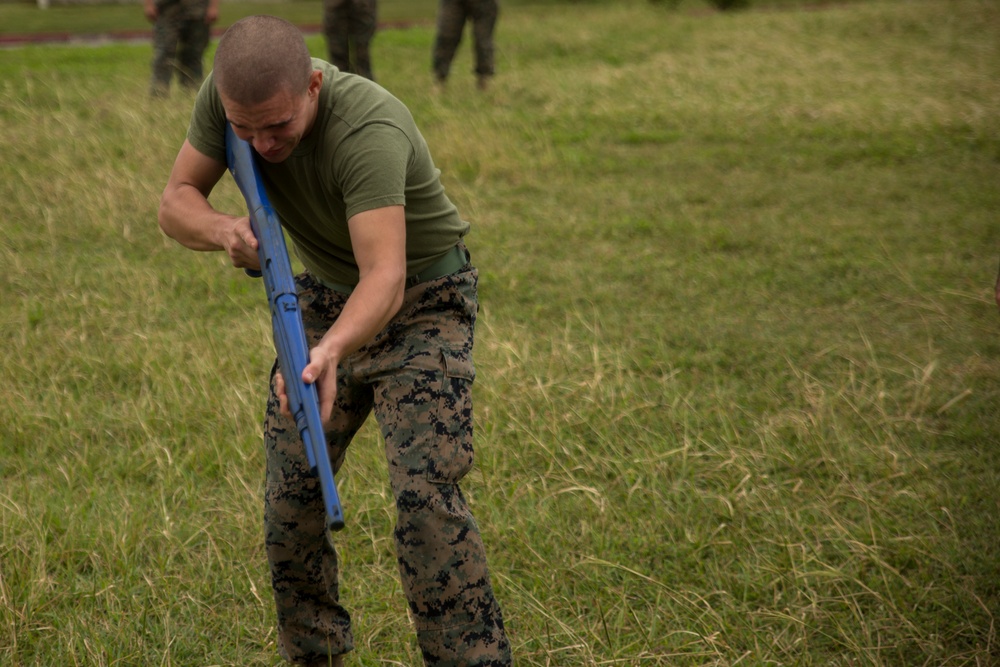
(263, 143)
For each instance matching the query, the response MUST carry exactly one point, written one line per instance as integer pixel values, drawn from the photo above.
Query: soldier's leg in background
(484, 19)
(336, 17)
(450, 23)
(363, 26)
(166, 29)
(193, 41)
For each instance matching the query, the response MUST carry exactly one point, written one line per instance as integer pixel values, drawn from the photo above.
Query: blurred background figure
(181, 30)
(451, 19)
(349, 26)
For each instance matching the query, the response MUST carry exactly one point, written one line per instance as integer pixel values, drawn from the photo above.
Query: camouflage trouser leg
(336, 14)
(349, 26)
(166, 32)
(304, 570)
(417, 376)
(451, 19)
(178, 46)
(484, 19)
(362, 29)
(194, 37)
(450, 23)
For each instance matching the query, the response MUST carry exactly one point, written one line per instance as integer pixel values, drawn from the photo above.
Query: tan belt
(449, 263)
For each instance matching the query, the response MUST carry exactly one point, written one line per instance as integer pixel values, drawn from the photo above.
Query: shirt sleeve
(207, 129)
(371, 165)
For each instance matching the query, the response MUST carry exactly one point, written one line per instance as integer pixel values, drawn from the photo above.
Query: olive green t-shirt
(363, 152)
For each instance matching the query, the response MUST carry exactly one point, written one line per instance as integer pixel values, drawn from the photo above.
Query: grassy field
(739, 361)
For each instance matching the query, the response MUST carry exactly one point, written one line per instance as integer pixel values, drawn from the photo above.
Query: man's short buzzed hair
(257, 57)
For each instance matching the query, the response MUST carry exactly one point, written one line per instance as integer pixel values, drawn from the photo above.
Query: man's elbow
(164, 217)
(399, 286)
(396, 280)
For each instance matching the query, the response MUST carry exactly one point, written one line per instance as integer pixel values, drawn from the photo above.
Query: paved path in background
(142, 35)
(145, 35)
(100, 38)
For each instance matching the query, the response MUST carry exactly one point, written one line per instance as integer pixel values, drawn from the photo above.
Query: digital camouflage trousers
(180, 38)
(451, 19)
(416, 377)
(349, 27)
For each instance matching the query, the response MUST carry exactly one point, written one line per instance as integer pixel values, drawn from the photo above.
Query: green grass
(739, 360)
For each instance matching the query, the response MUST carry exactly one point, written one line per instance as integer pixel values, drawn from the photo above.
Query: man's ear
(315, 83)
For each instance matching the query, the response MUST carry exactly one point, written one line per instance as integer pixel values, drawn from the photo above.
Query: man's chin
(275, 157)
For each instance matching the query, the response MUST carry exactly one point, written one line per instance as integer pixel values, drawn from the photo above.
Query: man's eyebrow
(280, 123)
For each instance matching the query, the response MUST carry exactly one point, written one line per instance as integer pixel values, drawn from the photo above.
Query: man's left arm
(378, 237)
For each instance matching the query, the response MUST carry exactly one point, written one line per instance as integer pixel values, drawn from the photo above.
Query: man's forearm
(372, 305)
(187, 217)
(378, 239)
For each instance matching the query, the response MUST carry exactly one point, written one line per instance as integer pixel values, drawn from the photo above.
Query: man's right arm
(186, 216)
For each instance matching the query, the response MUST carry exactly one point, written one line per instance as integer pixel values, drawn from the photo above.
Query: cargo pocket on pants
(451, 456)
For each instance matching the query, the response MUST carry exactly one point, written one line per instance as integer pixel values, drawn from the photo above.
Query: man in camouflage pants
(181, 30)
(417, 378)
(349, 26)
(389, 303)
(451, 19)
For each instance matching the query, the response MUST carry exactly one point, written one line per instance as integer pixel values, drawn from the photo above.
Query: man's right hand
(240, 244)
(186, 216)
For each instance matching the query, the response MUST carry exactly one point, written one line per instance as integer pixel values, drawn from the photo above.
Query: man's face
(275, 127)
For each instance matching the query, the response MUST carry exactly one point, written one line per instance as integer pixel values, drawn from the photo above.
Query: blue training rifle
(286, 319)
